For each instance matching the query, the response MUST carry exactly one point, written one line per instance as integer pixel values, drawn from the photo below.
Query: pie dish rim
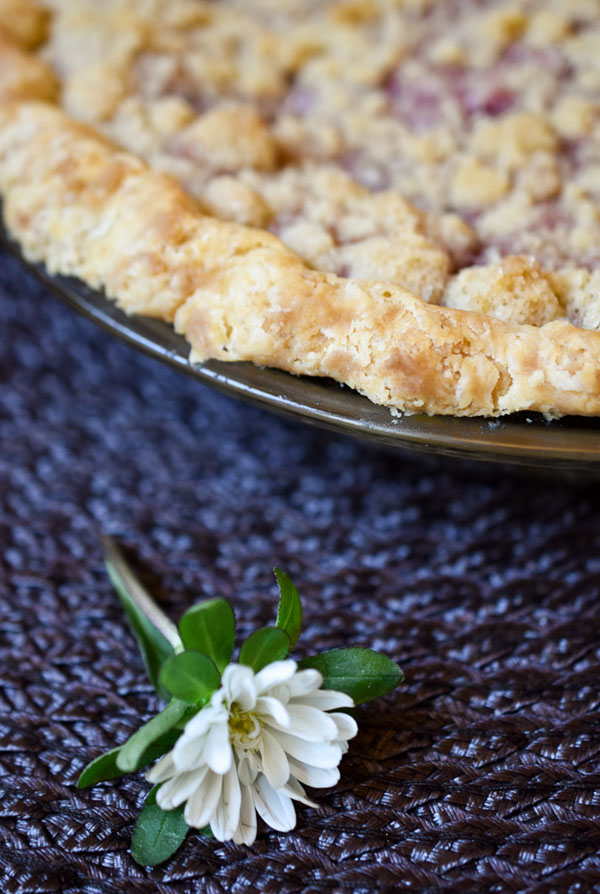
(522, 439)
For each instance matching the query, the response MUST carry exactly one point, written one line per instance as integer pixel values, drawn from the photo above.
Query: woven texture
(481, 773)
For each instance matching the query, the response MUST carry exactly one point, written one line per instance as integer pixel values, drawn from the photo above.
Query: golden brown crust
(236, 293)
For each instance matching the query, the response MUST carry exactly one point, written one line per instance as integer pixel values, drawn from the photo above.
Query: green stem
(122, 575)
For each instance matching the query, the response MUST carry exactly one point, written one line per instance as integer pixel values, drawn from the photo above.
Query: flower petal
(217, 753)
(347, 726)
(237, 683)
(204, 719)
(274, 761)
(163, 769)
(188, 753)
(178, 789)
(272, 707)
(316, 777)
(201, 806)
(276, 809)
(305, 681)
(309, 723)
(295, 791)
(281, 692)
(317, 754)
(273, 674)
(248, 767)
(226, 817)
(246, 830)
(327, 700)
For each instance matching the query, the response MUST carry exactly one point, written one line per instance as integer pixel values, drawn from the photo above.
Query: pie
(402, 195)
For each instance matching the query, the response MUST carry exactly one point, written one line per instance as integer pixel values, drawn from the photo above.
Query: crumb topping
(402, 194)
(396, 140)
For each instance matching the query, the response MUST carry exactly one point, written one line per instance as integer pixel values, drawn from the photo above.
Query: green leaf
(191, 677)
(105, 767)
(209, 627)
(151, 796)
(158, 834)
(151, 799)
(289, 616)
(135, 747)
(264, 646)
(155, 649)
(145, 617)
(101, 769)
(360, 673)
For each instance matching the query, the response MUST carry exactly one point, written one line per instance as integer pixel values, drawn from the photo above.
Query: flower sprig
(235, 739)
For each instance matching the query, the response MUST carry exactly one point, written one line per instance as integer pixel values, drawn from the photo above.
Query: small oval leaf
(264, 646)
(158, 834)
(360, 673)
(209, 628)
(101, 769)
(289, 616)
(190, 677)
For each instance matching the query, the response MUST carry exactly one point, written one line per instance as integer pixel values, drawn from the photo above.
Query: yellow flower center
(243, 727)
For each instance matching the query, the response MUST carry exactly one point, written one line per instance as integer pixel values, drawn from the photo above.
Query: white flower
(250, 749)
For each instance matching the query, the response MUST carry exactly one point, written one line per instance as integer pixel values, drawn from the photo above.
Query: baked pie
(403, 195)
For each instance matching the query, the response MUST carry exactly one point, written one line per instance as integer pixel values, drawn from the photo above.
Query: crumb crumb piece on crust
(546, 27)
(230, 198)
(23, 76)
(574, 117)
(500, 28)
(578, 291)
(24, 22)
(476, 185)
(514, 290)
(229, 138)
(512, 139)
(88, 103)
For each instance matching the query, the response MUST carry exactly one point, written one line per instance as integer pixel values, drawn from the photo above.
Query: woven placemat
(481, 773)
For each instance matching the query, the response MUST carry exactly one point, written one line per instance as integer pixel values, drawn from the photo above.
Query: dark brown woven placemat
(480, 774)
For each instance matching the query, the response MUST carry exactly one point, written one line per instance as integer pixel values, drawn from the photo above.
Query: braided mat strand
(481, 773)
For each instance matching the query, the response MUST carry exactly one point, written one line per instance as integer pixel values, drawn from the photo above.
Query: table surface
(480, 773)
